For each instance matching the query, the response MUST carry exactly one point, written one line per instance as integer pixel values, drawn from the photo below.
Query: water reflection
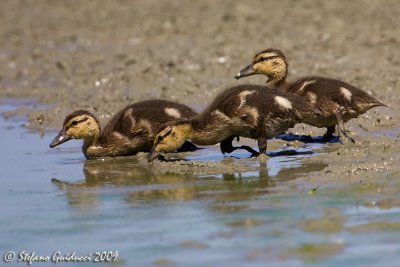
(142, 182)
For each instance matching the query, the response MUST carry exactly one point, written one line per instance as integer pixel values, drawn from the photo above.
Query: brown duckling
(252, 111)
(338, 101)
(130, 131)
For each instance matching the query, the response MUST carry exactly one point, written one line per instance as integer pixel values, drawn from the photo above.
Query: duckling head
(170, 139)
(80, 124)
(270, 62)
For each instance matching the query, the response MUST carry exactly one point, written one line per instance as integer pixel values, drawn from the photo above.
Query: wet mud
(103, 55)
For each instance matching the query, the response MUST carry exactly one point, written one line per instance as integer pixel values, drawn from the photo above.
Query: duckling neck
(278, 78)
(282, 84)
(278, 83)
(199, 137)
(207, 133)
(91, 141)
(87, 143)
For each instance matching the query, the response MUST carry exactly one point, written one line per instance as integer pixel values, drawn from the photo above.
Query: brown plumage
(338, 101)
(252, 111)
(130, 131)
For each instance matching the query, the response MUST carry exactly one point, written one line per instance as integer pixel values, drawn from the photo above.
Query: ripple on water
(210, 209)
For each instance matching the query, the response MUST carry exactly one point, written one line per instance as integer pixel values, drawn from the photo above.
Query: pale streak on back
(283, 102)
(128, 114)
(173, 112)
(119, 135)
(312, 97)
(304, 85)
(242, 97)
(346, 93)
(221, 115)
(147, 124)
(253, 112)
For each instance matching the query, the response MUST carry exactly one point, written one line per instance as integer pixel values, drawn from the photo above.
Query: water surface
(55, 200)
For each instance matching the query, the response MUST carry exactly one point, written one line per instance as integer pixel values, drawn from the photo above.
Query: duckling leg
(249, 149)
(262, 147)
(227, 147)
(341, 129)
(328, 135)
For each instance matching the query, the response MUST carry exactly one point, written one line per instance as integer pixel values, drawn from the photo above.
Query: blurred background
(101, 55)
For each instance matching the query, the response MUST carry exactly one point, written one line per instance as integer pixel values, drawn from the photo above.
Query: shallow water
(55, 200)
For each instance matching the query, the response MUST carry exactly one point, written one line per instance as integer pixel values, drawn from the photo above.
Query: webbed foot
(187, 146)
(227, 147)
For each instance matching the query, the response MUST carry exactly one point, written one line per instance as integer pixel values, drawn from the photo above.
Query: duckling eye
(74, 123)
(161, 137)
(261, 59)
(165, 135)
(266, 58)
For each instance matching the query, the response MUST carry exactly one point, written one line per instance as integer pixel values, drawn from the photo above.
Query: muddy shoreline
(103, 55)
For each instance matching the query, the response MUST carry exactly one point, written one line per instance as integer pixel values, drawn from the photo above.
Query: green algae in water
(247, 222)
(374, 227)
(192, 244)
(331, 222)
(312, 252)
(164, 262)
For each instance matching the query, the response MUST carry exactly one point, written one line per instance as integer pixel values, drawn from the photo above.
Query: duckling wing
(282, 111)
(329, 94)
(264, 110)
(147, 118)
(133, 128)
(113, 146)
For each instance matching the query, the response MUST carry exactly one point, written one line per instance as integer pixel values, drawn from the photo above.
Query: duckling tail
(366, 104)
(380, 104)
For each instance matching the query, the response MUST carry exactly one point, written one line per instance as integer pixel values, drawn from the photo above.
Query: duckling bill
(251, 111)
(246, 71)
(130, 131)
(338, 101)
(61, 137)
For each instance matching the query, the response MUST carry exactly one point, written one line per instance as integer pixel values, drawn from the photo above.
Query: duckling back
(280, 110)
(141, 121)
(255, 110)
(330, 94)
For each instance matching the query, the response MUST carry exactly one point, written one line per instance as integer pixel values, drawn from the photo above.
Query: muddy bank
(102, 55)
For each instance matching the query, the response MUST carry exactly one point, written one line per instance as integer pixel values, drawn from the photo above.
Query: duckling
(252, 111)
(338, 101)
(130, 131)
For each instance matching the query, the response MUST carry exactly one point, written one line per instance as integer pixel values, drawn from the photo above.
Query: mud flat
(102, 55)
